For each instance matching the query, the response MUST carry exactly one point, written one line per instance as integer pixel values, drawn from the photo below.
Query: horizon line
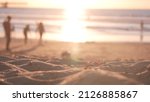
(85, 9)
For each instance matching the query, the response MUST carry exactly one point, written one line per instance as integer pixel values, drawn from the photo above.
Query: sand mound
(144, 76)
(11, 73)
(41, 66)
(24, 70)
(24, 80)
(19, 61)
(98, 77)
(5, 58)
(9, 70)
(1, 75)
(139, 66)
(53, 74)
(116, 68)
(4, 66)
(4, 82)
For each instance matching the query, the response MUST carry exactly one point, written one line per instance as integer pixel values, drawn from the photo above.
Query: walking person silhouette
(7, 29)
(142, 28)
(25, 32)
(41, 30)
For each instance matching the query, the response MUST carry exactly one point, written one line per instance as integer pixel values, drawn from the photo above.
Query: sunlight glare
(73, 27)
(73, 32)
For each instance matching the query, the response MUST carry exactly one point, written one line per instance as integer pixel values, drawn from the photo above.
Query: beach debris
(66, 59)
(65, 55)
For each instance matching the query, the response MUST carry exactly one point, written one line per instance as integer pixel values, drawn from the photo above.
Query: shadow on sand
(4, 51)
(20, 51)
(26, 50)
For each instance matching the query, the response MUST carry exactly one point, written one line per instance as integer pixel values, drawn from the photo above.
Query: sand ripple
(25, 70)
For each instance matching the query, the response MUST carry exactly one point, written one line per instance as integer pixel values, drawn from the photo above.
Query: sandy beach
(64, 63)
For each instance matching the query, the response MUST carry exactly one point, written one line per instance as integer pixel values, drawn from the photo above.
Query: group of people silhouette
(8, 28)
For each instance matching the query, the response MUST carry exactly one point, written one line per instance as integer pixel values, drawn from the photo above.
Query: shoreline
(2, 39)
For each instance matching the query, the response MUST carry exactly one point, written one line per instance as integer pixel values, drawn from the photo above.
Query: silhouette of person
(7, 29)
(25, 32)
(41, 30)
(142, 28)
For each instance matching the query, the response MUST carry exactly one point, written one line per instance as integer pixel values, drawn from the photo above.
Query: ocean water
(94, 25)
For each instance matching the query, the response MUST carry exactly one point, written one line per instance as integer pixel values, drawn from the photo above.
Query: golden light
(73, 29)
(73, 32)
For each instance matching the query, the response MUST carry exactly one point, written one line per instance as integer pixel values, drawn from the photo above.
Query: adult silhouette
(41, 30)
(142, 28)
(25, 32)
(7, 29)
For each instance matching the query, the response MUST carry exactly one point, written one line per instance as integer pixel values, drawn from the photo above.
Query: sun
(73, 27)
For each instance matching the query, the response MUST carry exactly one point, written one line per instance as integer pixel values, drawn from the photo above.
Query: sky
(108, 4)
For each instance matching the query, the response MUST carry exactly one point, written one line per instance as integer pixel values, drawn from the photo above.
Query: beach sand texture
(86, 63)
